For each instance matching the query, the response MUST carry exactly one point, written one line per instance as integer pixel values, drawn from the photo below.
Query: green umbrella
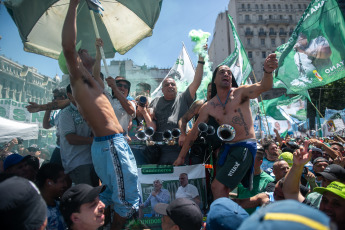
(124, 24)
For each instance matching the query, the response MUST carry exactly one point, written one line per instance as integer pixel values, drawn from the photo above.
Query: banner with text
(14, 110)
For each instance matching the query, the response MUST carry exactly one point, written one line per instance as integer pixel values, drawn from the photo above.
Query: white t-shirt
(190, 192)
(122, 116)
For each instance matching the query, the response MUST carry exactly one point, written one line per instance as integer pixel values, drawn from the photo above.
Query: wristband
(201, 62)
(263, 68)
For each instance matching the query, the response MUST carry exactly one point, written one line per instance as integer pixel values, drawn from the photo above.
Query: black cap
(77, 195)
(184, 212)
(320, 159)
(21, 204)
(333, 172)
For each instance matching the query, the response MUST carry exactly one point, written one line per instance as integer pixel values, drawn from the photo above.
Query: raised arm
(126, 104)
(96, 70)
(69, 34)
(192, 135)
(193, 87)
(254, 90)
(280, 140)
(292, 179)
(182, 123)
(332, 153)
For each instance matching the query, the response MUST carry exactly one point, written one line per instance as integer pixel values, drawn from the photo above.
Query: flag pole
(263, 107)
(100, 48)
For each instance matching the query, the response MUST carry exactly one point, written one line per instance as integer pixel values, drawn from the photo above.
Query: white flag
(182, 72)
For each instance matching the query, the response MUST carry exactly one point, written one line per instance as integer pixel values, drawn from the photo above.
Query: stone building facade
(22, 83)
(133, 73)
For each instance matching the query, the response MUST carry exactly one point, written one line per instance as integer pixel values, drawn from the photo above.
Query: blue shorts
(115, 165)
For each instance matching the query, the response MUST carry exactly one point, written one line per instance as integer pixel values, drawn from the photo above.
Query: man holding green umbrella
(112, 157)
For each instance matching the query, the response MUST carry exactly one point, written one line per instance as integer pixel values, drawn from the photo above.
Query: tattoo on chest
(239, 120)
(215, 104)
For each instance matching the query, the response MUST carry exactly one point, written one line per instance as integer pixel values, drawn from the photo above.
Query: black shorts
(237, 167)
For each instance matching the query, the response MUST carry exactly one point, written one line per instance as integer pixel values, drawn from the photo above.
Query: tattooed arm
(192, 135)
(182, 123)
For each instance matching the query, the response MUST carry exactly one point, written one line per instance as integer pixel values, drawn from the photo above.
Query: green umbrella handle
(100, 48)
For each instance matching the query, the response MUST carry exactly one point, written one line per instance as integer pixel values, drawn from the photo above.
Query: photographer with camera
(140, 124)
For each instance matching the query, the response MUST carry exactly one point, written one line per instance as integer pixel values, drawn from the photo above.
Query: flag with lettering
(314, 55)
(238, 60)
(182, 72)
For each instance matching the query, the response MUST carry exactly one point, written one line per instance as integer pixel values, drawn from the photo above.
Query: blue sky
(176, 20)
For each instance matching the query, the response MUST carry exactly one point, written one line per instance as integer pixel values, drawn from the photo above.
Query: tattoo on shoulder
(239, 120)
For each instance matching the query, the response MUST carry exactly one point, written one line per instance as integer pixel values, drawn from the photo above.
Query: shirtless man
(231, 106)
(112, 158)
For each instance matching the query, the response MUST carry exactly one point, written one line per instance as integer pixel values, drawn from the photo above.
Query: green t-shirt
(259, 184)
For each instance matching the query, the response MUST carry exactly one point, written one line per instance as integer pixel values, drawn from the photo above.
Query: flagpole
(100, 48)
(263, 107)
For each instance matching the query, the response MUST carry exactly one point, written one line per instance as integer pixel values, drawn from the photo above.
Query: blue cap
(11, 160)
(225, 214)
(287, 214)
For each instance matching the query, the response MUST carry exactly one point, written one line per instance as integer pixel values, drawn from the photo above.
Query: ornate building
(262, 25)
(22, 83)
(133, 73)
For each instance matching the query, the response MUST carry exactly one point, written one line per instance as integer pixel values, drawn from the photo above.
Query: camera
(142, 101)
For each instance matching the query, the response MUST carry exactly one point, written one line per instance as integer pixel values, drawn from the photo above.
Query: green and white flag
(315, 53)
(294, 107)
(238, 60)
(182, 72)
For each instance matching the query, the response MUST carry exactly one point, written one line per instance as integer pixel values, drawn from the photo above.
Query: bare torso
(95, 107)
(236, 113)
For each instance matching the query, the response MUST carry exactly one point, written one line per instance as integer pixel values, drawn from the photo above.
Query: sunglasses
(122, 85)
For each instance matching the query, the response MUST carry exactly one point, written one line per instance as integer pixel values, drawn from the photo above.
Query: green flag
(271, 107)
(238, 60)
(284, 134)
(294, 107)
(314, 55)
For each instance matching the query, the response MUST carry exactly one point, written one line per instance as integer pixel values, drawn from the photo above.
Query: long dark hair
(214, 89)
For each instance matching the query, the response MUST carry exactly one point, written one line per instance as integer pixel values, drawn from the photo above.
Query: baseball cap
(21, 204)
(77, 195)
(286, 214)
(314, 149)
(225, 214)
(119, 78)
(335, 187)
(13, 159)
(320, 159)
(184, 212)
(333, 172)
